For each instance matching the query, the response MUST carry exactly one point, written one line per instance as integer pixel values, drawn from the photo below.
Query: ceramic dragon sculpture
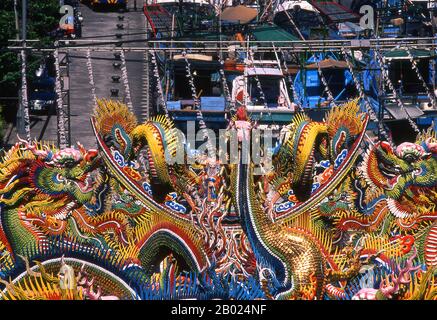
(393, 190)
(41, 188)
(328, 206)
(389, 199)
(292, 256)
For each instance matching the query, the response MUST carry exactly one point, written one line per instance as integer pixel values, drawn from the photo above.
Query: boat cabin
(309, 86)
(261, 86)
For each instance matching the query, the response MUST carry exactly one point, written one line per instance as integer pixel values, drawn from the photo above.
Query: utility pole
(23, 120)
(20, 123)
(146, 103)
(24, 20)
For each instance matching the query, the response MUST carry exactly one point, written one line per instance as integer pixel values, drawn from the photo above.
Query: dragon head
(45, 183)
(406, 174)
(312, 153)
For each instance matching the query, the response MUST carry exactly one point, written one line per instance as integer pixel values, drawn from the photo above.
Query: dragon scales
(330, 216)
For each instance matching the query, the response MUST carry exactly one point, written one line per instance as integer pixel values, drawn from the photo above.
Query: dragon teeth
(65, 213)
(391, 203)
(60, 216)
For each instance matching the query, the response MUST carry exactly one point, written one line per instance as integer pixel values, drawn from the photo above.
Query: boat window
(270, 87)
(206, 82)
(334, 77)
(216, 86)
(404, 77)
(182, 88)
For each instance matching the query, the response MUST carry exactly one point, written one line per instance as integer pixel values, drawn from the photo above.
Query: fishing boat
(205, 72)
(209, 98)
(261, 87)
(324, 80)
(406, 18)
(407, 92)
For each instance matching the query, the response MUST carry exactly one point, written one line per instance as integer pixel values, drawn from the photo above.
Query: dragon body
(294, 257)
(290, 255)
(327, 207)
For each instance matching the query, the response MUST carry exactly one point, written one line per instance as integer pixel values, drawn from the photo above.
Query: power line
(217, 45)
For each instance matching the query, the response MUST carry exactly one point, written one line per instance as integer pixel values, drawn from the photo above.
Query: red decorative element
(431, 247)
(326, 174)
(91, 154)
(242, 113)
(406, 243)
(132, 173)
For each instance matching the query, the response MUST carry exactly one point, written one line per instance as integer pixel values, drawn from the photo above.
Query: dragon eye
(426, 156)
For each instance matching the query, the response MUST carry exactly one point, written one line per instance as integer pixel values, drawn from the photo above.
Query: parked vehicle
(42, 98)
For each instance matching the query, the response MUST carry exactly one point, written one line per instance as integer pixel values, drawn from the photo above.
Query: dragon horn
(431, 146)
(81, 147)
(413, 256)
(28, 270)
(22, 140)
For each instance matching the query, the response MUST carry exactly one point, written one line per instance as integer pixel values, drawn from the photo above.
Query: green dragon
(301, 229)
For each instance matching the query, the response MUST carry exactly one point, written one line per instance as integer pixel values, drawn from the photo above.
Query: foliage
(42, 18)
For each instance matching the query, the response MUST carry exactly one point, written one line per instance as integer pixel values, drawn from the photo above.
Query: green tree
(43, 17)
(9, 65)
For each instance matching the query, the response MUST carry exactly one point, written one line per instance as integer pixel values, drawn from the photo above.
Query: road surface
(97, 24)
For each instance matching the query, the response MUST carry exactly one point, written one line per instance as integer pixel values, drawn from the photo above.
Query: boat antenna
(387, 80)
(364, 97)
(197, 106)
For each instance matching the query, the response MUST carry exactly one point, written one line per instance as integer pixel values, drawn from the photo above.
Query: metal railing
(214, 46)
